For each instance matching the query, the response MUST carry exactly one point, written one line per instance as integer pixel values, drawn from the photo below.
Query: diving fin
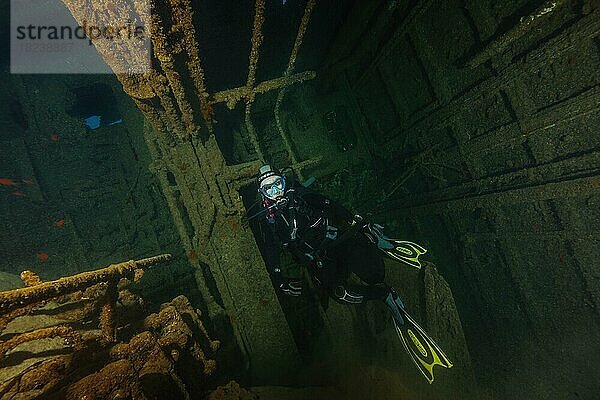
(424, 352)
(407, 252)
(401, 250)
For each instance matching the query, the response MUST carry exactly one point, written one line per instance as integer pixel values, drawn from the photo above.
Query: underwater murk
(299, 199)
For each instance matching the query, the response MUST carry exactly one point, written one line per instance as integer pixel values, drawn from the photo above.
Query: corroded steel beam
(16, 298)
(310, 4)
(526, 25)
(257, 38)
(232, 96)
(201, 192)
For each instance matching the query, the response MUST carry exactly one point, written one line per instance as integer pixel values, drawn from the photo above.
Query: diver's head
(271, 183)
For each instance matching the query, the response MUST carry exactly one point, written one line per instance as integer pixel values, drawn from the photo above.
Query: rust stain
(263, 302)
(192, 255)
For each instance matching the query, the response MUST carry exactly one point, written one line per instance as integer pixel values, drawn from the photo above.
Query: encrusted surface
(171, 356)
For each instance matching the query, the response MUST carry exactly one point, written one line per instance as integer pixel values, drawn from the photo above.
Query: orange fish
(42, 256)
(18, 194)
(27, 181)
(7, 182)
(60, 223)
(54, 137)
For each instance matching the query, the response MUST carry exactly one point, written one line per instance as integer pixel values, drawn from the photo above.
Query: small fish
(18, 194)
(93, 121)
(28, 181)
(54, 137)
(60, 223)
(42, 256)
(7, 182)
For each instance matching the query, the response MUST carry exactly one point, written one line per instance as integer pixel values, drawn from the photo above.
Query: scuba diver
(333, 243)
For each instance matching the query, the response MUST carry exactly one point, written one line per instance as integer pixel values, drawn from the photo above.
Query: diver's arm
(320, 202)
(272, 252)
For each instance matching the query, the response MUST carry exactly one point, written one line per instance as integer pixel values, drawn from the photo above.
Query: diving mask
(273, 187)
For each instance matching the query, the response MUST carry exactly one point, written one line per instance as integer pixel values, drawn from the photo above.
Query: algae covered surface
(467, 127)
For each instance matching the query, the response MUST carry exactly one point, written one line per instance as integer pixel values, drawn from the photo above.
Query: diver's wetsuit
(328, 239)
(305, 226)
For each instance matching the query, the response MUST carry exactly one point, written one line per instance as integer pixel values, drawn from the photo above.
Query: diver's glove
(360, 221)
(401, 250)
(291, 288)
(375, 234)
(374, 229)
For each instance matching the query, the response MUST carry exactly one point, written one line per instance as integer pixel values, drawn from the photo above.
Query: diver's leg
(364, 260)
(360, 257)
(346, 293)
